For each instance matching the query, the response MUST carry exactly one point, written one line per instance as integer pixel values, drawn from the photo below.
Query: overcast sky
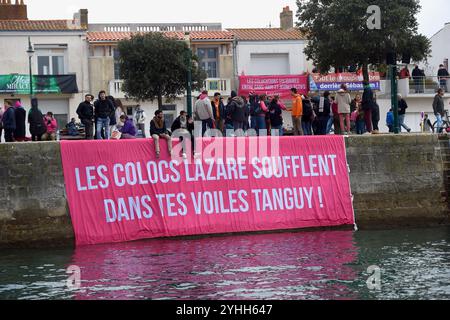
(231, 13)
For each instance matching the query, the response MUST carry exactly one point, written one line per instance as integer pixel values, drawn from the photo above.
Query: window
(208, 61)
(116, 56)
(51, 62)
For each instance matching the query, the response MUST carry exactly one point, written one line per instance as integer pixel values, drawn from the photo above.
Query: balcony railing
(428, 85)
(213, 85)
(115, 89)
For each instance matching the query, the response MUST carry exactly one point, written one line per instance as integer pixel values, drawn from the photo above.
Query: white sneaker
(184, 155)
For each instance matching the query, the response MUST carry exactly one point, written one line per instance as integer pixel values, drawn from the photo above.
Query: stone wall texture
(396, 181)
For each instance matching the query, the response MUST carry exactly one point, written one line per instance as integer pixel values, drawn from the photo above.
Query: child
(390, 121)
(427, 125)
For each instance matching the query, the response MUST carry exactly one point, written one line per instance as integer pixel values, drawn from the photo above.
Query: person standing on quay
(297, 112)
(203, 112)
(344, 100)
(367, 105)
(218, 111)
(85, 113)
(36, 121)
(9, 122)
(375, 116)
(402, 106)
(438, 108)
(21, 117)
(104, 108)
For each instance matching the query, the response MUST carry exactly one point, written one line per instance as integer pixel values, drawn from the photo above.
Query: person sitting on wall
(127, 129)
(158, 130)
(52, 125)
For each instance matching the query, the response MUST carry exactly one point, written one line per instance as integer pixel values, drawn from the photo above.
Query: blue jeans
(360, 127)
(307, 128)
(103, 124)
(330, 124)
(401, 119)
(258, 123)
(280, 129)
(439, 123)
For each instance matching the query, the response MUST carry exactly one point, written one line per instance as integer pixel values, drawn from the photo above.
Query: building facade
(59, 62)
(212, 45)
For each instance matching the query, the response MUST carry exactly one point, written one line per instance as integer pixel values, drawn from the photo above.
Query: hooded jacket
(36, 120)
(104, 108)
(203, 110)
(21, 117)
(237, 110)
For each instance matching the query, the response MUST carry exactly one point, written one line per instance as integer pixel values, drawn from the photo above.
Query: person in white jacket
(140, 118)
(203, 112)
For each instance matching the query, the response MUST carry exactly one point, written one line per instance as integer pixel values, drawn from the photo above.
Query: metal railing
(213, 85)
(428, 85)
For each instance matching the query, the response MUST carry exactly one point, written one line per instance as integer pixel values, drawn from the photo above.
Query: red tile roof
(267, 34)
(39, 25)
(195, 36)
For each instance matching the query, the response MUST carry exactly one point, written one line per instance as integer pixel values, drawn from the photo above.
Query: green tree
(339, 34)
(154, 66)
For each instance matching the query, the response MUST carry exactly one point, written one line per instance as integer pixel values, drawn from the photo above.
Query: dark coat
(237, 110)
(438, 105)
(367, 99)
(402, 106)
(85, 111)
(275, 114)
(104, 108)
(222, 114)
(21, 118)
(9, 119)
(177, 125)
(155, 130)
(36, 121)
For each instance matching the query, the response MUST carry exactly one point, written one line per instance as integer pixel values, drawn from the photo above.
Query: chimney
(286, 19)
(81, 18)
(16, 11)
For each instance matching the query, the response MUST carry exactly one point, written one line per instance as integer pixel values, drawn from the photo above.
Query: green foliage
(338, 33)
(154, 66)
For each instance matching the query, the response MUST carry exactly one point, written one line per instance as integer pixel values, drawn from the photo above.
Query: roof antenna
(270, 24)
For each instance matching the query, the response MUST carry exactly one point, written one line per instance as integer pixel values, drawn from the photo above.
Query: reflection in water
(278, 266)
(307, 265)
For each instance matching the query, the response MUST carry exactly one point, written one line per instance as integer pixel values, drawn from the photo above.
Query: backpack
(307, 109)
(255, 108)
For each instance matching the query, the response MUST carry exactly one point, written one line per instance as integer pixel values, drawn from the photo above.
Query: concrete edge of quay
(398, 181)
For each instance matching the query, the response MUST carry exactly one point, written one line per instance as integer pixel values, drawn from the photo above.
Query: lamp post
(187, 39)
(30, 53)
(394, 97)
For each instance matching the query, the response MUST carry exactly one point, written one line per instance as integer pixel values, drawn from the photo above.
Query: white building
(271, 51)
(60, 54)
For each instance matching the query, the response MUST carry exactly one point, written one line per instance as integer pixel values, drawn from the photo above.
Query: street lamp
(187, 39)
(30, 53)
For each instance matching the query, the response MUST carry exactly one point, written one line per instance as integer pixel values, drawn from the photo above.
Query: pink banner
(273, 85)
(118, 191)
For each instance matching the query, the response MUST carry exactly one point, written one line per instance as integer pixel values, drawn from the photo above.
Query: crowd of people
(312, 114)
(13, 118)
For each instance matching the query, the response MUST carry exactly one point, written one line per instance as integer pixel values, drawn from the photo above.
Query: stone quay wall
(397, 181)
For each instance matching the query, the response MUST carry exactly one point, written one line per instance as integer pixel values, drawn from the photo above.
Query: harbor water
(412, 264)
